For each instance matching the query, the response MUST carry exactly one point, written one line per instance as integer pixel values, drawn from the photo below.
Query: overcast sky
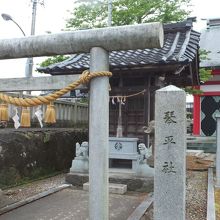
(51, 17)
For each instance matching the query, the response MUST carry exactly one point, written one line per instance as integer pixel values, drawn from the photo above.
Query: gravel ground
(195, 194)
(24, 191)
(217, 202)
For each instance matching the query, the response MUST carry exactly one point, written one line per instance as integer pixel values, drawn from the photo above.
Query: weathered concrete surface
(73, 204)
(38, 83)
(112, 38)
(113, 188)
(10, 205)
(98, 136)
(4, 201)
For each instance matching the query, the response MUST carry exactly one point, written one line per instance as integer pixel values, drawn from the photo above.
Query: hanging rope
(128, 96)
(122, 98)
(85, 77)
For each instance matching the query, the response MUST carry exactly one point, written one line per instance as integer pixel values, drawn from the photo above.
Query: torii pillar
(98, 42)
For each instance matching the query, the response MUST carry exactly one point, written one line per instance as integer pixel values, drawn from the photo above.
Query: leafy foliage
(204, 74)
(53, 59)
(89, 14)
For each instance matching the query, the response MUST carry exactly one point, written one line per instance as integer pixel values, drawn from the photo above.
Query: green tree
(53, 59)
(204, 74)
(89, 14)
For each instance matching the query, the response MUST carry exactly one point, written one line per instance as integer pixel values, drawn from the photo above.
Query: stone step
(113, 188)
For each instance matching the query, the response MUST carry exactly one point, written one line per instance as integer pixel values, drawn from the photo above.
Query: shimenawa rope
(85, 77)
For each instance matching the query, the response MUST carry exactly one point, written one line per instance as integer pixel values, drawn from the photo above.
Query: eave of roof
(181, 45)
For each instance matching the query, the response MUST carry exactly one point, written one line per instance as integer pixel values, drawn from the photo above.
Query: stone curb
(139, 212)
(33, 198)
(210, 196)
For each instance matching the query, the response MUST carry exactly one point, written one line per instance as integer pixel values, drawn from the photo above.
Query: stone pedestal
(80, 165)
(144, 170)
(134, 183)
(124, 149)
(150, 161)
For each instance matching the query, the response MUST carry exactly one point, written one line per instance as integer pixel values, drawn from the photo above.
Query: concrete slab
(113, 188)
(10, 205)
(72, 204)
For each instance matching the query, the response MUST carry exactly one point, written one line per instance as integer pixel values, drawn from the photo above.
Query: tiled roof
(181, 45)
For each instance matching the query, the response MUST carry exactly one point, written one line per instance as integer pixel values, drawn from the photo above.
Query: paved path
(72, 204)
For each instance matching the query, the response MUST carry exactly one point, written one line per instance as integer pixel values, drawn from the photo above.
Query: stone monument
(81, 161)
(170, 154)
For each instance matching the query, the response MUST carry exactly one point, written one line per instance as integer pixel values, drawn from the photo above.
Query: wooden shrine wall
(132, 118)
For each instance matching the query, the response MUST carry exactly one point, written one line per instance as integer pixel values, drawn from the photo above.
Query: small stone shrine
(123, 153)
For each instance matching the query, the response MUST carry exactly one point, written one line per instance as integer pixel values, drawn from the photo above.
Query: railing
(66, 111)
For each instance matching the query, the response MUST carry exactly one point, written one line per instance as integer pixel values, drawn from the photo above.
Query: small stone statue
(143, 168)
(80, 164)
(150, 130)
(144, 152)
(77, 149)
(82, 150)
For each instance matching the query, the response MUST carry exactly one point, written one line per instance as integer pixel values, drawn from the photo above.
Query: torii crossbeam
(98, 42)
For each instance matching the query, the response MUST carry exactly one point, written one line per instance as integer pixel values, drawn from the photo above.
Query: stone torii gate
(98, 42)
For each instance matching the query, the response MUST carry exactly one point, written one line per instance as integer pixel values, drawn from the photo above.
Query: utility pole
(29, 63)
(109, 13)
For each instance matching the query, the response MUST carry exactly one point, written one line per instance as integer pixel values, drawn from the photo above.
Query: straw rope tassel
(4, 112)
(50, 114)
(25, 117)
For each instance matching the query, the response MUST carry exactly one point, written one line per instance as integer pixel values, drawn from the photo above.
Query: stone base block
(80, 165)
(113, 188)
(150, 161)
(145, 170)
(77, 179)
(134, 183)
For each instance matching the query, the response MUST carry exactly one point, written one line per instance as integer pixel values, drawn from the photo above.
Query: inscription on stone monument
(170, 147)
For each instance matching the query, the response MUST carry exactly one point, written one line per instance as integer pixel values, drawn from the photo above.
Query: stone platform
(134, 183)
